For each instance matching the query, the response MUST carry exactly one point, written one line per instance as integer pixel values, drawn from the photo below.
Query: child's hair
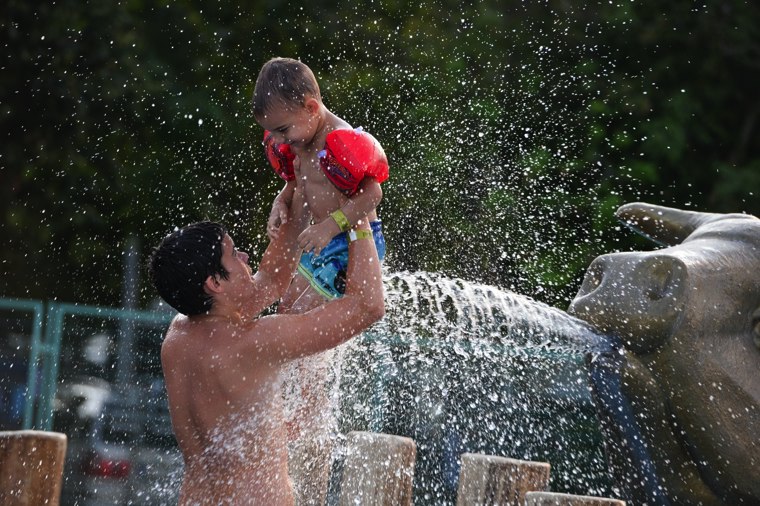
(181, 263)
(283, 81)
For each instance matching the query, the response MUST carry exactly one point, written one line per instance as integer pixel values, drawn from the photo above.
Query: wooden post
(487, 479)
(378, 470)
(309, 463)
(556, 499)
(31, 467)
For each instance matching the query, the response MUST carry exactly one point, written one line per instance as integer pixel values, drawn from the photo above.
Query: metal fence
(31, 337)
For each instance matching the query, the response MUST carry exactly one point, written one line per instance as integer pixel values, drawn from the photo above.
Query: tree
(513, 129)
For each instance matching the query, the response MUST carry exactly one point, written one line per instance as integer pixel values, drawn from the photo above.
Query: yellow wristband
(355, 235)
(341, 220)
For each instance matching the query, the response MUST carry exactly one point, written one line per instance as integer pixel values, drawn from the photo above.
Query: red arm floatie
(280, 157)
(349, 156)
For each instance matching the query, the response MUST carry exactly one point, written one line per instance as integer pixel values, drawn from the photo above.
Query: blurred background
(514, 129)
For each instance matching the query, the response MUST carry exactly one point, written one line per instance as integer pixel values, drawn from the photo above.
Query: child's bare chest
(321, 195)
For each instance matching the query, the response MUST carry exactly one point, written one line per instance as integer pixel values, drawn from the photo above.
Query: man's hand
(277, 216)
(318, 236)
(280, 213)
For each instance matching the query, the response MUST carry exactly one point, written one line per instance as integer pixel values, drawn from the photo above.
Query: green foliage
(514, 129)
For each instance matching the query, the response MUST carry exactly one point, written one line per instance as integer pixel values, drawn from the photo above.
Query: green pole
(53, 351)
(34, 357)
(38, 309)
(53, 327)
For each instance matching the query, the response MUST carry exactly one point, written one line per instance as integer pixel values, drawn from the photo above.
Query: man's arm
(280, 338)
(278, 264)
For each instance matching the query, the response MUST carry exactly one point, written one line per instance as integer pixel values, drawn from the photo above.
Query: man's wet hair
(181, 263)
(283, 81)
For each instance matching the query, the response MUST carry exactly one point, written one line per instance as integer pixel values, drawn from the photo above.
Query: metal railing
(47, 329)
(36, 349)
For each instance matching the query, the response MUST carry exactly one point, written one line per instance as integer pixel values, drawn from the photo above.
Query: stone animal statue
(679, 401)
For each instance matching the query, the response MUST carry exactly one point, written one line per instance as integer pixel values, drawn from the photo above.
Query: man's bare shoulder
(180, 327)
(175, 338)
(200, 334)
(185, 334)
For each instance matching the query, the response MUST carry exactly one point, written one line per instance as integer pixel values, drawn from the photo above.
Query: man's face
(290, 124)
(236, 263)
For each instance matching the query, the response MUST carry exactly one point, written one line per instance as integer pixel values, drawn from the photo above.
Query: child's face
(290, 124)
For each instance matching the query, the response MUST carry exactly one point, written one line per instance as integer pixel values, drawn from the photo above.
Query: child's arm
(278, 216)
(278, 264)
(362, 203)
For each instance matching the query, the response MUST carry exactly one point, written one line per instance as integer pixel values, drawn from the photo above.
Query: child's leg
(303, 379)
(308, 424)
(300, 297)
(297, 286)
(312, 429)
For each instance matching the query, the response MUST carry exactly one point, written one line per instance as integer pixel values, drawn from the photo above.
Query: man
(222, 364)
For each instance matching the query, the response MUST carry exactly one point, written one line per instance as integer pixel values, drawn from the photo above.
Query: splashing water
(464, 367)
(431, 305)
(456, 366)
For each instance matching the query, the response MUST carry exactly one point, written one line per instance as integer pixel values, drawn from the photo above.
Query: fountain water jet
(466, 367)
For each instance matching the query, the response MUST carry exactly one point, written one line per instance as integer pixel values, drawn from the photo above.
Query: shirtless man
(222, 363)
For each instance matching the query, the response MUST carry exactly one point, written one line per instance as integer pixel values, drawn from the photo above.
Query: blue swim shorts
(326, 272)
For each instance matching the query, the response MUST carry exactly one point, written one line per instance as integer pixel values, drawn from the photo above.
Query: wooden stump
(309, 467)
(31, 467)
(487, 479)
(378, 470)
(555, 499)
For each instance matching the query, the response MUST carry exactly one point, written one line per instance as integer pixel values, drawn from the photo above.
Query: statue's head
(688, 316)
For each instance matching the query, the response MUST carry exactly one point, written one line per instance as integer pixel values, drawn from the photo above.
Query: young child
(340, 169)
